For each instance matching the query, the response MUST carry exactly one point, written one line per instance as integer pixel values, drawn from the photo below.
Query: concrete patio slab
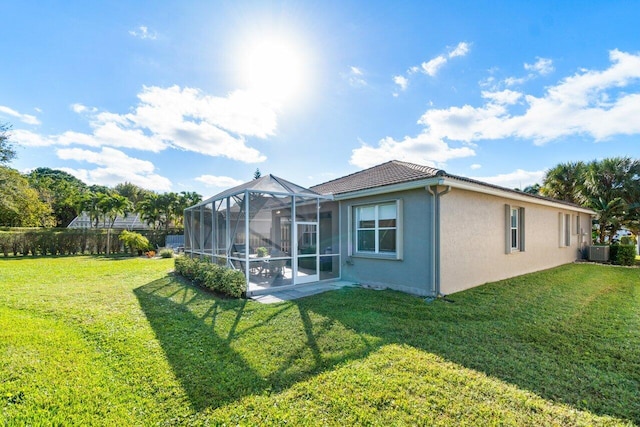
(300, 292)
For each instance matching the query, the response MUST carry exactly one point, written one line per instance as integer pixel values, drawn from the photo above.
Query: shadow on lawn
(577, 361)
(221, 351)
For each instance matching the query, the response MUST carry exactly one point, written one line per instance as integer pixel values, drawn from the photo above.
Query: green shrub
(166, 253)
(135, 241)
(262, 252)
(624, 254)
(628, 240)
(212, 276)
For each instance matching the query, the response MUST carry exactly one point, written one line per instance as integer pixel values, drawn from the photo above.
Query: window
(376, 229)
(564, 226)
(515, 235)
(577, 224)
(514, 229)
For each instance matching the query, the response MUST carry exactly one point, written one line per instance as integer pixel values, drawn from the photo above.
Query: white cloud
(513, 81)
(460, 50)
(542, 66)
(594, 103)
(423, 149)
(517, 179)
(27, 138)
(79, 108)
(181, 118)
(144, 33)
(24, 118)
(355, 77)
(432, 66)
(114, 167)
(505, 97)
(401, 81)
(218, 181)
(475, 166)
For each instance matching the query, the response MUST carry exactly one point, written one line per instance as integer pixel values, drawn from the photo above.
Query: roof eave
(452, 182)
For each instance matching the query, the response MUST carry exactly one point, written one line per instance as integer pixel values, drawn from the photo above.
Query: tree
(134, 193)
(168, 206)
(185, 199)
(257, 174)
(20, 205)
(111, 206)
(88, 203)
(60, 190)
(150, 210)
(609, 186)
(532, 189)
(564, 182)
(7, 152)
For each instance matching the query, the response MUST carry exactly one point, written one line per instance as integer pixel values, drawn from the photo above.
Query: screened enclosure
(277, 233)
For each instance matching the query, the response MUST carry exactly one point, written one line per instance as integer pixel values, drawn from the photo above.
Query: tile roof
(392, 172)
(397, 172)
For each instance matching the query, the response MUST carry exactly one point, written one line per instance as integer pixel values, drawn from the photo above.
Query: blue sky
(194, 96)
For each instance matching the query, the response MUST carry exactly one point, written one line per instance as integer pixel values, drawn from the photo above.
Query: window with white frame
(564, 228)
(515, 232)
(514, 241)
(376, 229)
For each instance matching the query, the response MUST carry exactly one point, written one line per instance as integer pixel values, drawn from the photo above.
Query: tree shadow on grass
(224, 349)
(560, 360)
(562, 349)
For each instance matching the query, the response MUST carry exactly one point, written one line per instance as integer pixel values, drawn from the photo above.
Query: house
(396, 225)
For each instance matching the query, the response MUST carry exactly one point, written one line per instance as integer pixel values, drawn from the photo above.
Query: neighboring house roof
(399, 175)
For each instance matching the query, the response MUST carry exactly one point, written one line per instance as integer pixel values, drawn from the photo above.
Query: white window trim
(353, 231)
(520, 229)
(564, 230)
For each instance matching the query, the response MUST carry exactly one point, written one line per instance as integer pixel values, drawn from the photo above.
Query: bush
(135, 241)
(166, 253)
(623, 254)
(262, 252)
(212, 276)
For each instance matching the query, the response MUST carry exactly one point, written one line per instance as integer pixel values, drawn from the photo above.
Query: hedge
(212, 276)
(623, 254)
(67, 241)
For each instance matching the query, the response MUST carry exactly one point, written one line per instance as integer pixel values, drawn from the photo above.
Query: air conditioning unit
(599, 253)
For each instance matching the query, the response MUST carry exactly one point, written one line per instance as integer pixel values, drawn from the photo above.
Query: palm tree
(168, 206)
(610, 213)
(149, 210)
(564, 182)
(111, 206)
(185, 199)
(611, 189)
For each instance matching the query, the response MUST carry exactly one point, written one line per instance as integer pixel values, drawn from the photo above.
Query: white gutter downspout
(434, 284)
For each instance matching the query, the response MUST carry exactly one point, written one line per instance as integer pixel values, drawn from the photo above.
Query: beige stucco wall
(473, 239)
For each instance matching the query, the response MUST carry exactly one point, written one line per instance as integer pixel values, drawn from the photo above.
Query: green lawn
(118, 341)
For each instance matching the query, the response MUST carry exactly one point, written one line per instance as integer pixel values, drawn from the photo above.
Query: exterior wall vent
(599, 253)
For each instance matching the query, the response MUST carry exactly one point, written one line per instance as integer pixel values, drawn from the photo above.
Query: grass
(117, 341)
